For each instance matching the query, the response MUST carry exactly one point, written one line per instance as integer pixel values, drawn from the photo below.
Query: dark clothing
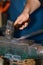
(41, 1)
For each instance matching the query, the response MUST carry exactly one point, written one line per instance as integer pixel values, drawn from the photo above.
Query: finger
(24, 26)
(18, 19)
(23, 19)
(21, 28)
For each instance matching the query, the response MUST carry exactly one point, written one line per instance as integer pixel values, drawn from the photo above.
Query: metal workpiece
(32, 34)
(9, 30)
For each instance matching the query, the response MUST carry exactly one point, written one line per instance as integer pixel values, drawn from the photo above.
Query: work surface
(20, 49)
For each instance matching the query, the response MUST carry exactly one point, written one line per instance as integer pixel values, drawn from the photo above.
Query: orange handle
(3, 9)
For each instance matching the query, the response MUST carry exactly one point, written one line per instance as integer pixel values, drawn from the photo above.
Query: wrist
(34, 4)
(27, 9)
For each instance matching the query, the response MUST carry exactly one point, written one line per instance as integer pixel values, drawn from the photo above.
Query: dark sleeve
(41, 1)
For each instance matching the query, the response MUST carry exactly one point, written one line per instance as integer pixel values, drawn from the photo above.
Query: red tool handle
(5, 8)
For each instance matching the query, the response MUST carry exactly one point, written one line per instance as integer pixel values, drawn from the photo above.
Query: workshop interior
(25, 50)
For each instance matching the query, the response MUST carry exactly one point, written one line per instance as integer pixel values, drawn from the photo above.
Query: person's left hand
(23, 18)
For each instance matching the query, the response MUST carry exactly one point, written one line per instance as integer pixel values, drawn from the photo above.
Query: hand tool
(4, 5)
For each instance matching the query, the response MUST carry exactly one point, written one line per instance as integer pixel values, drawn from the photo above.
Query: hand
(23, 18)
(30, 7)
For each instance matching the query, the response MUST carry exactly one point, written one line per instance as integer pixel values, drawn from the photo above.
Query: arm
(30, 7)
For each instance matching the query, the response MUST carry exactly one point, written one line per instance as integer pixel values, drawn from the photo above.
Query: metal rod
(32, 34)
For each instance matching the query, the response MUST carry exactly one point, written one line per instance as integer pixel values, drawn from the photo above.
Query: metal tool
(9, 30)
(32, 34)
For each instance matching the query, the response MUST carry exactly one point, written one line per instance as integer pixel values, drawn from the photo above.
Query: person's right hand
(23, 20)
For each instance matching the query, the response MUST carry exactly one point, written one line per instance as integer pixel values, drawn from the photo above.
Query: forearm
(32, 5)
